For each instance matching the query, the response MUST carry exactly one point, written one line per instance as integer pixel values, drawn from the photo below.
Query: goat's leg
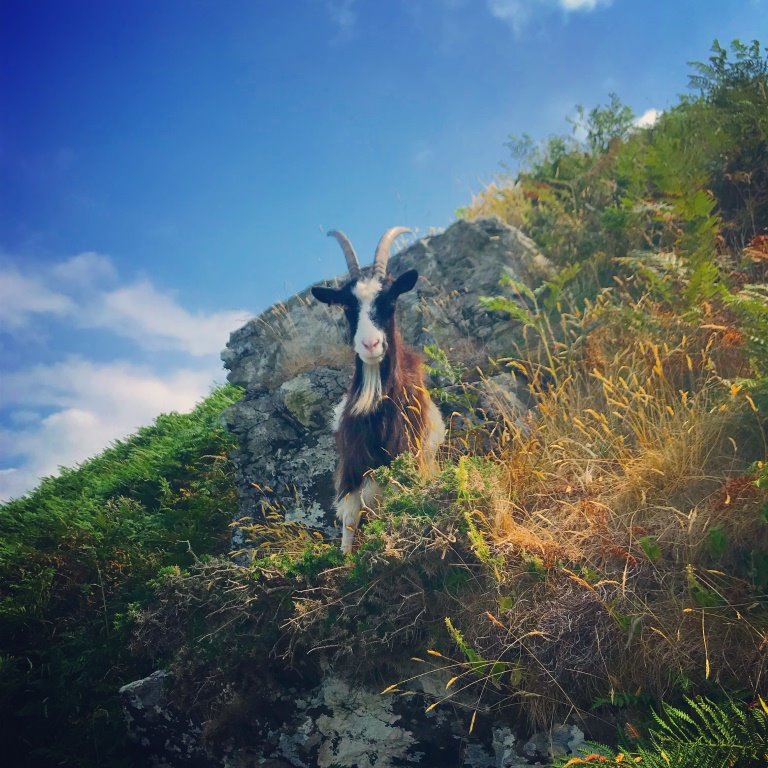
(348, 509)
(370, 493)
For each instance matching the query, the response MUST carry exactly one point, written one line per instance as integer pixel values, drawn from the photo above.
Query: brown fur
(365, 442)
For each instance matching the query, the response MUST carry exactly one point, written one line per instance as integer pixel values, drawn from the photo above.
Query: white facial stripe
(365, 327)
(366, 290)
(367, 333)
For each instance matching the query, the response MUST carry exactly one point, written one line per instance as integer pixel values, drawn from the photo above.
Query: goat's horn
(352, 263)
(382, 250)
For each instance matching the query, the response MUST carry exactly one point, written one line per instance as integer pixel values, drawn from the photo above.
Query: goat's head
(369, 303)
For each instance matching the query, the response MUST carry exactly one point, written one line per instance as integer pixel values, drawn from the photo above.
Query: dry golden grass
(603, 547)
(624, 517)
(502, 199)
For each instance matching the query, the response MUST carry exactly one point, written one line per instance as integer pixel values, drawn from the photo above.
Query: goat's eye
(385, 303)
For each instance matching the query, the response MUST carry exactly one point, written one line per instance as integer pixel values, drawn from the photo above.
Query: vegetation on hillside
(606, 552)
(78, 556)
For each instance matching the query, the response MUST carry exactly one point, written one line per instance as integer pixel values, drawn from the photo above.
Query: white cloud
(81, 290)
(61, 413)
(85, 269)
(22, 297)
(73, 381)
(648, 118)
(155, 320)
(422, 154)
(93, 405)
(581, 5)
(517, 13)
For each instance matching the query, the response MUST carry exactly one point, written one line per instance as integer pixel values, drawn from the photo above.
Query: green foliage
(312, 558)
(480, 547)
(317, 558)
(440, 366)
(623, 201)
(605, 125)
(751, 306)
(621, 700)
(734, 96)
(449, 377)
(760, 468)
(77, 559)
(703, 734)
(404, 489)
(703, 596)
(717, 542)
(650, 547)
(491, 671)
(471, 479)
(536, 309)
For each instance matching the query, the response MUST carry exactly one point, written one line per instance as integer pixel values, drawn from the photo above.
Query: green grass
(77, 559)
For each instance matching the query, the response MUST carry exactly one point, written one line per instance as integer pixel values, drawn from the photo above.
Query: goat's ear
(327, 295)
(403, 284)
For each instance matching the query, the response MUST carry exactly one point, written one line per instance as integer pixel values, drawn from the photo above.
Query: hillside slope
(606, 552)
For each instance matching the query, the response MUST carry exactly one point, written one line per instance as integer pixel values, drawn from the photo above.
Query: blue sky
(169, 167)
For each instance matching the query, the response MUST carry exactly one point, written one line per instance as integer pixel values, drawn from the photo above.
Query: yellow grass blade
(494, 620)
(578, 580)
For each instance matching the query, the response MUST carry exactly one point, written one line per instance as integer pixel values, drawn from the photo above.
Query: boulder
(333, 723)
(163, 735)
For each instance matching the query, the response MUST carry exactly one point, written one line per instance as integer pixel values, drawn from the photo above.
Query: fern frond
(705, 734)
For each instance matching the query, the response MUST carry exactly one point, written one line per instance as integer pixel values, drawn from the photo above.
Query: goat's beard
(370, 390)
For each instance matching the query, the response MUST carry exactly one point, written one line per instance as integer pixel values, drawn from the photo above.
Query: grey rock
(146, 694)
(561, 740)
(333, 723)
(477, 756)
(504, 752)
(502, 397)
(166, 737)
(286, 455)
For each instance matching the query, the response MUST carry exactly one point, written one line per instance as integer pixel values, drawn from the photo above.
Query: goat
(387, 409)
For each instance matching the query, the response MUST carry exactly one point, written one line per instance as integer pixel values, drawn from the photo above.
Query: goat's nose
(371, 345)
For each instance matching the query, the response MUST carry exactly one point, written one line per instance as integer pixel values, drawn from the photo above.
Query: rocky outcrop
(294, 363)
(164, 736)
(337, 724)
